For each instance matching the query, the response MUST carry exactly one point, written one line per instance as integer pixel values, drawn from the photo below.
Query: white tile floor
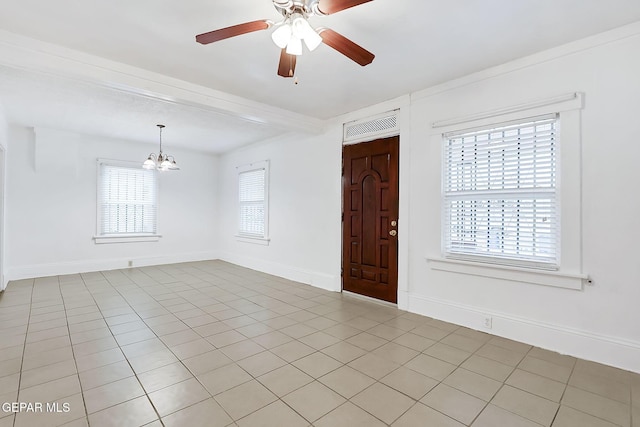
(212, 344)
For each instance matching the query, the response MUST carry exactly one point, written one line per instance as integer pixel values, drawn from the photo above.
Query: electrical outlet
(488, 322)
(130, 263)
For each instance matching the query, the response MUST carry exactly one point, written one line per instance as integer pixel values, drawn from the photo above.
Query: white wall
(51, 205)
(598, 322)
(3, 146)
(601, 321)
(304, 212)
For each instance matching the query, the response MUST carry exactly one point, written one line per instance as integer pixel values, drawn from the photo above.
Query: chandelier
(161, 162)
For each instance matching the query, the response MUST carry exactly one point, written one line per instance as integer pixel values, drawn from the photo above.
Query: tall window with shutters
(127, 200)
(500, 194)
(253, 200)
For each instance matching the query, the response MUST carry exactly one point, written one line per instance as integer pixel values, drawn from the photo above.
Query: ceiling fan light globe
(282, 35)
(312, 40)
(300, 27)
(295, 46)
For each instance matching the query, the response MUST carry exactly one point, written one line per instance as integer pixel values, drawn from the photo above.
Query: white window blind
(252, 198)
(500, 193)
(127, 200)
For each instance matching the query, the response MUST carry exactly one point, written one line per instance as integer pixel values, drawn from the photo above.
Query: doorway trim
(402, 109)
(370, 183)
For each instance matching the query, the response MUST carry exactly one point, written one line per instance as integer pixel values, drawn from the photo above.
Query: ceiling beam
(21, 52)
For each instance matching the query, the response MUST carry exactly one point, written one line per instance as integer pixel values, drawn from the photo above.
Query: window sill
(255, 240)
(126, 239)
(513, 273)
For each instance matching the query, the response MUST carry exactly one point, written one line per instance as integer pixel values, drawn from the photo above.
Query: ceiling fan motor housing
(305, 7)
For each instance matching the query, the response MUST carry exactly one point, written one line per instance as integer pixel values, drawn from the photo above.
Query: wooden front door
(370, 203)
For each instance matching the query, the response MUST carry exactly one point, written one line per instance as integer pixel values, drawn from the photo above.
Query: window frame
(102, 238)
(570, 274)
(473, 196)
(249, 237)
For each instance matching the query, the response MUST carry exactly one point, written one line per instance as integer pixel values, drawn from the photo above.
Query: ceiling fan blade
(235, 30)
(346, 47)
(327, 7)
(287, 66)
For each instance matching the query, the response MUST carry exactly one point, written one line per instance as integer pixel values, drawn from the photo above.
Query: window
(499, 195)
(253, 200)
(127, 204)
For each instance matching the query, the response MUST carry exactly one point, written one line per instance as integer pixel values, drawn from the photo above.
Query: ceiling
(36, 99)
(418, 44)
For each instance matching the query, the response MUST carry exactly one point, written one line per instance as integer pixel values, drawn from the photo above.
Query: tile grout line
(235, 362)
(159, 338)
(172, 352)
(566, 386)
(75, 362)
(242, 288)
(169, 349)
(631, 398)
(120, 348)
(254, 378)
(24, 347)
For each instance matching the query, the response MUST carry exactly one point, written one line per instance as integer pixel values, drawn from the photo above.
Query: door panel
(370, 191)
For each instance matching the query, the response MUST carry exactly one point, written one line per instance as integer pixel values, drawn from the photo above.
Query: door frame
(403, 219)
(402, 107)
(397, 242)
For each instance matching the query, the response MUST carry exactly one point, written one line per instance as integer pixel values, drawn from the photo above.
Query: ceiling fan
(295, 29)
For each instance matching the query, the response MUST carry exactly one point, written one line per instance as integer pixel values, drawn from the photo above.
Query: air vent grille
(379, 126)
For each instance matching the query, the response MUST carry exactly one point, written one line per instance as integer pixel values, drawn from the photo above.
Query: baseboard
(85, 266)
(612, 351)
(313, 278)
(403, 300)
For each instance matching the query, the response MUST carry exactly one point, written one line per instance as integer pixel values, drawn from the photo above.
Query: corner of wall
(73, 267)
(313, 278)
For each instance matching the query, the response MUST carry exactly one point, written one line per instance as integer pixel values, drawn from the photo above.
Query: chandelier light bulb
(165, 165)
(150, 163)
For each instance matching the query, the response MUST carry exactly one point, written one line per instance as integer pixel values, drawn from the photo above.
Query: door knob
(393, 232)
(394, 223)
